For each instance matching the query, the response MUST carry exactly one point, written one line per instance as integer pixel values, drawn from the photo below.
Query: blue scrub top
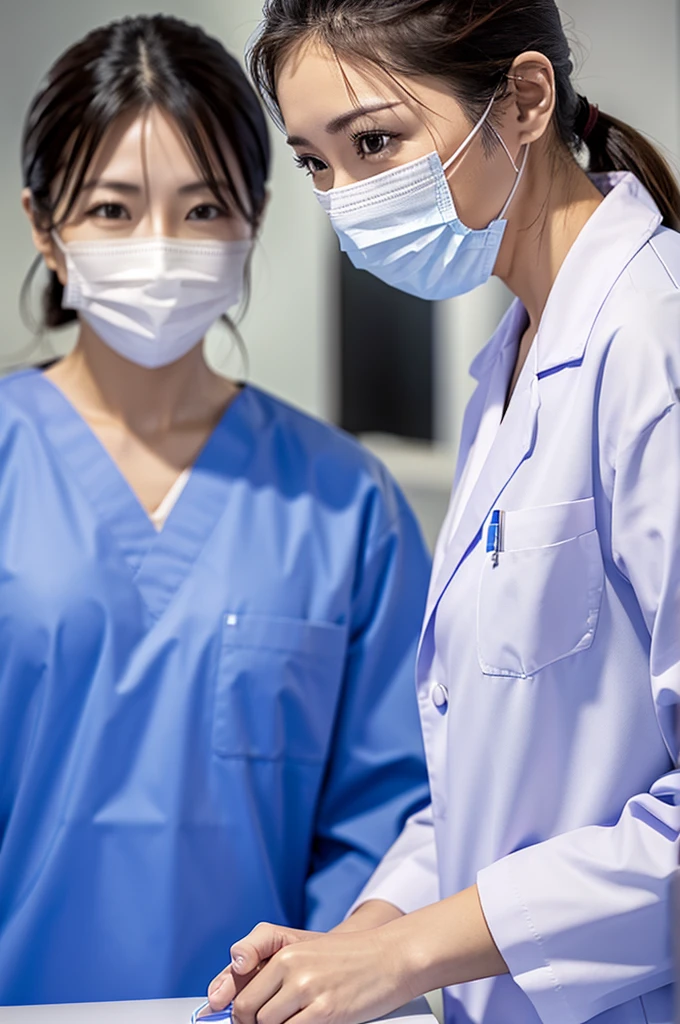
(199, 728)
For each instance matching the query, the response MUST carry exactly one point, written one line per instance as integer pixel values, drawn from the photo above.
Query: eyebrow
(203, 186)
(338, 124)
(128, 188)
(115, 186)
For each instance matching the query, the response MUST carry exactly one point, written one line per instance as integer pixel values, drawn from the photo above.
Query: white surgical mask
(402, 226)
(153, 299)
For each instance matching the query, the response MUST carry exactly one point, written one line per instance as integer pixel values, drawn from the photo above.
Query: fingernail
(238, 961)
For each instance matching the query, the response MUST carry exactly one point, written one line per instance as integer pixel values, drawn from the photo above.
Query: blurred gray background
(627, 55)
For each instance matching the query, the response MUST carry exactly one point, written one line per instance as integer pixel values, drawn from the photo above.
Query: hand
(248, 956)
(314, 978)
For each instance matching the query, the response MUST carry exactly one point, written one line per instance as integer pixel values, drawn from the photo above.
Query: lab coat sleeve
(377, 775)
(583, 920)
(407, 875)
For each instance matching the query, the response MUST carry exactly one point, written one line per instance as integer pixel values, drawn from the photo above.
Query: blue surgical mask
(402, 226)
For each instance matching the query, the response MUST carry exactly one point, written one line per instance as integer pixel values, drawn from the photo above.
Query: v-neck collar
(159, 561)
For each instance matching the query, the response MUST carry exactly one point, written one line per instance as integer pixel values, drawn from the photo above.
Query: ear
(42, 239)
(532, 90)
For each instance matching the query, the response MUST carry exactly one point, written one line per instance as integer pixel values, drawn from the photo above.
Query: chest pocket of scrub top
(541, 601)
(278, 686)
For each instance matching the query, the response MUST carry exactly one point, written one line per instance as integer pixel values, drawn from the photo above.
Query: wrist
(372, 914)
(407, 956)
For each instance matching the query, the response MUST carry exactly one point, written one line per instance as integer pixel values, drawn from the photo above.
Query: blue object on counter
(220, 1015)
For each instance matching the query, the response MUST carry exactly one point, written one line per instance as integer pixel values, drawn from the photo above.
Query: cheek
(237, 229)
(481, 189)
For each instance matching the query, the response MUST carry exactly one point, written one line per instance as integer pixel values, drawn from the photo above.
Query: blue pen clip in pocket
(494, 537)
(210, 1017)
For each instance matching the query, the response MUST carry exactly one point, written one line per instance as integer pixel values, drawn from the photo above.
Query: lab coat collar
(507, 333)
(616, 232)
(618, 229)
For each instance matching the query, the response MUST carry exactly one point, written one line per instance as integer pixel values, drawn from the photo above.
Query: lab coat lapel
(481, 370)
(512, 445)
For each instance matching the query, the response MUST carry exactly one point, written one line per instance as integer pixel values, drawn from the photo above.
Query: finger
(256, 994)
(261, 944)
(284, 1004)
(225, 987)
(316, 1013)
(222, 990)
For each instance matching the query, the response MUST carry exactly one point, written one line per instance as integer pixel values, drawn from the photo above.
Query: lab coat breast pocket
(278, 686)
(540, 602)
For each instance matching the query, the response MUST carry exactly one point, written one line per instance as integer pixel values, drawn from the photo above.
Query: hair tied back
(586, 119)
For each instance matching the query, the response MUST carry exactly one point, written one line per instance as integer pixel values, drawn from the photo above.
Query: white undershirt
(159, 516)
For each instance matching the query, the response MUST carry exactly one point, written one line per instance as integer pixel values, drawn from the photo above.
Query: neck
(148, 402)
(555, 201)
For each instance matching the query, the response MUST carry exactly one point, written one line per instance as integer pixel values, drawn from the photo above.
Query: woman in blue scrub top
(446, 142)
(209, 602)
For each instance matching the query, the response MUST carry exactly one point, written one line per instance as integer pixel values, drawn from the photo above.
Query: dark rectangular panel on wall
(386, 357)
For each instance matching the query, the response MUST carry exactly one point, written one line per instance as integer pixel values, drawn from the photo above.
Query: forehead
(147, 144)
(314, 85)
(313, 78)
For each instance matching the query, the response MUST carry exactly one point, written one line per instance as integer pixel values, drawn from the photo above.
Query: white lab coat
(549, 682)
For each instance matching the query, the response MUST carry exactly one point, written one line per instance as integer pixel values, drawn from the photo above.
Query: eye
(372, 143)
(109, 211)
(311, 164)
(207, 211)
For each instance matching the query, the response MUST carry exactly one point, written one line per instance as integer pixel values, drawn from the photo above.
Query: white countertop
(152, 1011)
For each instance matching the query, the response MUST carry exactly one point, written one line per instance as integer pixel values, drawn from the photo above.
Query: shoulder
(18, 393)
(655, 268)
(329, 463)
(640, 379)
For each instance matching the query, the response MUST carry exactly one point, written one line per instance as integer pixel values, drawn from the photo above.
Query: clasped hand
(280, 975)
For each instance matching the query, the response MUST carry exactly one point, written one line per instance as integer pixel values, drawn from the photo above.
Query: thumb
(260, 945)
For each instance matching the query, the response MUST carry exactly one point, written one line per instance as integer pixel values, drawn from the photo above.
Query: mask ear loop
(520, 175)
(466, 142)
(508, 153)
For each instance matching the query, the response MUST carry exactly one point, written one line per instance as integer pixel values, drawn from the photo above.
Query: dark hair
(470, 44)
(129, 65)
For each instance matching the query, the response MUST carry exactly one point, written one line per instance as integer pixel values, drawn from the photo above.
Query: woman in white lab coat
(447, 143)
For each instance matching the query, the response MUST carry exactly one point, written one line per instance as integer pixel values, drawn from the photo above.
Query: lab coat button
(440, 696)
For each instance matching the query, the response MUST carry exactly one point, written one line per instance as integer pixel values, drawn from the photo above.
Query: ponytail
(615, 146)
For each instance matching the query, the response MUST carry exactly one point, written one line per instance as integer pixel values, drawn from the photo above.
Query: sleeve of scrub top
(377, 775)
(583, 920)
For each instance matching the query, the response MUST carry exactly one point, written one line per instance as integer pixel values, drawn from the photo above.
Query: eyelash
(303, 162)
(306, 163)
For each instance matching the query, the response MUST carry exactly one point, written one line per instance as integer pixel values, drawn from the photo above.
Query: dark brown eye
(110, 211)
(372, 144)
(206, 211)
